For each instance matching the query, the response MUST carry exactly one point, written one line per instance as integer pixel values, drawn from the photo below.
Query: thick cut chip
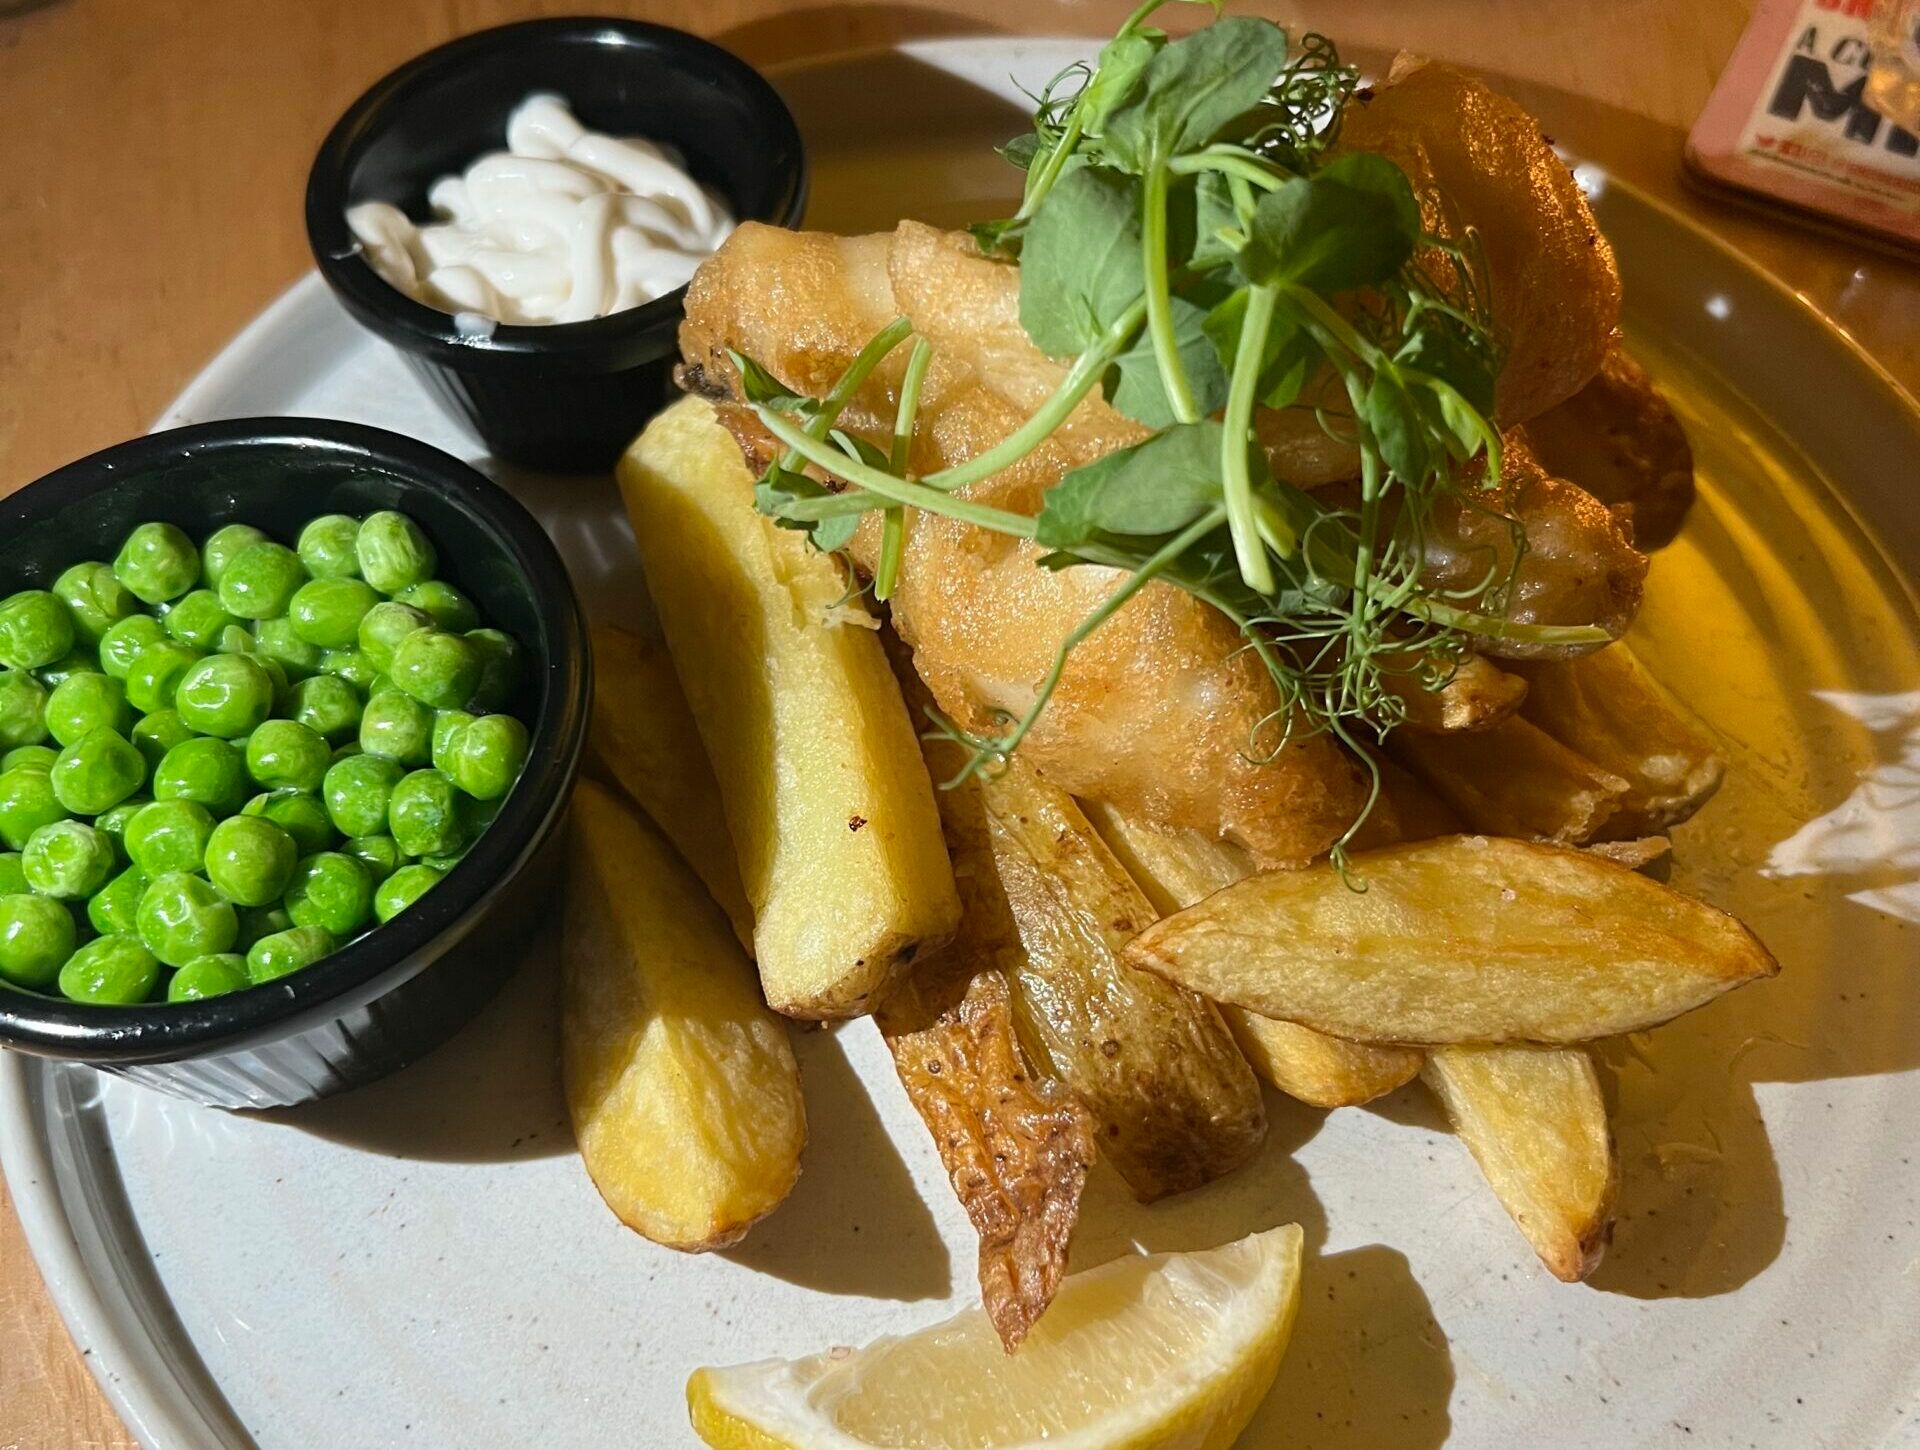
(1514, 779)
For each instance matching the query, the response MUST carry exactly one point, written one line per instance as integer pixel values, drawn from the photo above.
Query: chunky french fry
(1174, 1100)
(1461, 939)
(1406, 809)
(826, 796)
(1479, 694)
(1177, 868)
(1536, 1123)
(1652, 855)
(681, 1085)
(1607, 707)
(644, 740)
(1513, 779)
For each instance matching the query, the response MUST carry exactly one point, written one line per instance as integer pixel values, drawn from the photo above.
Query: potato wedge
(1405, 810)
(1461, 939)
(681, 1085)
(1609, 709)
(1513, 779)
(1175, 1101)
(644, 740)
(1535, 1121)
(1649, 855)
(1176, 869)
(1479, 694)
(826, 796)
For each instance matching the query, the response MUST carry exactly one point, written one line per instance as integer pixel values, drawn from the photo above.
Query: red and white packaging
(1789, 122)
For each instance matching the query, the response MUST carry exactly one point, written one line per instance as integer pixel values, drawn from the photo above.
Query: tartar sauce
(562, 226)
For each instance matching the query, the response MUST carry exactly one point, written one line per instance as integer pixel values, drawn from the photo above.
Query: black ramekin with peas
(287, 709)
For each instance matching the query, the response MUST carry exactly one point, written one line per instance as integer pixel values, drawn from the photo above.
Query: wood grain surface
(150, 205)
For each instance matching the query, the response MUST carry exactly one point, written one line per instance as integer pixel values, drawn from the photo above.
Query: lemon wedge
(1145, 1353)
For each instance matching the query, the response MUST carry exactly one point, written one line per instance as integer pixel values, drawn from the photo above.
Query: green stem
(893, 531)
(1153, 256)
(1249, 550)
(1230, 162)
(841, 393)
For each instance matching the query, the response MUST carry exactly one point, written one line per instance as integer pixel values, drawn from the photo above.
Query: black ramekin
(383, 1000)
(569, 396)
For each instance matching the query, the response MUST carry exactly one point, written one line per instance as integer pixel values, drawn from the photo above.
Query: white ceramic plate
(423, 1263)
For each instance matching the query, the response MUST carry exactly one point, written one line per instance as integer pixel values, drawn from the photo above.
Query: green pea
(399, 727)
(155, 734)
(200, 620)
(223, 546)
(113, 823)
(488, 756)
(125, 642)
(203, 769)
(36, 938)
(440, 670)
(23, 709)
(277, 641)
(169, 835)
(35, 629)
(157, 562)
(330, 890)
(327, 705)
(13, 876)
(81, 703)
(67, 861)
(225, 695)
(94, 598)
(448, 725)
(403, 888)
(79, 660)
(446, 606)
(237, 639)
(115, 970)
(40, 755)
(327, 612)
(182, 917)
(328, 547)
(97, 772)
(299, 814)
(259, 921)
(423, 814)
(393, 552)
(213, 975)
(287, 951)
(260, 581)
(286, 754)
(251, 860)
(356, 792)
(27, 803)
(114, 907)
(157, 671)
(381, 855)
(353, 667)
(385, 625)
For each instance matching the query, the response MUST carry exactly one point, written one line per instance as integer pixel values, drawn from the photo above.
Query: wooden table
(151, 205)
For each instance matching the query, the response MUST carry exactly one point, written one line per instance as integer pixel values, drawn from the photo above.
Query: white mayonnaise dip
(562, 226)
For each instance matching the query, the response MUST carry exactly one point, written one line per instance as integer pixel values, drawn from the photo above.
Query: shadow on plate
(855, 1223)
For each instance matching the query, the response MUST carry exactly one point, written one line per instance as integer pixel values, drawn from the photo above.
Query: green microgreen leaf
(1022, 150)
(1399, 430)
(1354, 223)
(1134, 385)
(1153, 488)
(779, 487)
(1289, 360)
(761, 386)
(1193, 88)
(1123, 61)
(1080, 266)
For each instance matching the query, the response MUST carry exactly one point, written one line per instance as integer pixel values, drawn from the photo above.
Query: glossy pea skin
(260, 921)
(206, 770)
(332, 891)
(225, 695)
(251, 860)
(113, 823)
(287, 951)
(157, 562)
(67, 861)
(356, 792)
(423, 814)
(27, 803)
(381, 855)
(398, 727)
(275, 639)
(260, 581)
(125, 641)
(328, 547)
(488, 756)
(13, 877)
(439, 670)
(199, 619)
(447, 728)
(393, 552)
(327, 612)
(403, 888)
(156, 733)
(500, 668)
(115, 970)
(182, 917)
(328, 706)
(86, 702)
(213, 975)
(40, 755)
(155, 675)
(222, 547)
(95, 599)
(167, 836)
(446, 606)
(97, 772)
(286, 755)
(35, 629)
(385, 625)
(298, 813)
(36, 938)
(114, 907)
(352, 666)
(23, 709)
(77, 661)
